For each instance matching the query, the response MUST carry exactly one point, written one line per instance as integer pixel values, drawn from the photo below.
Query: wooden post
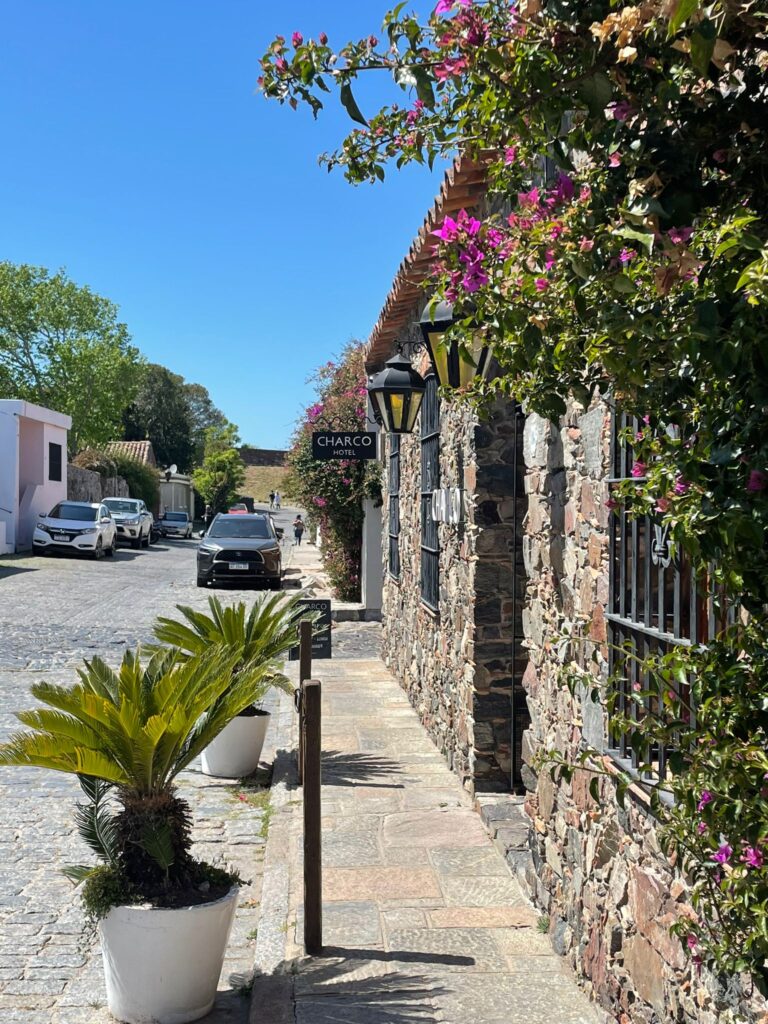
(305, 671)
(313, 871)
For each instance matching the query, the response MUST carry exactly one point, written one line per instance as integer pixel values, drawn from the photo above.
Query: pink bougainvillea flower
(345, 480)
(611, 503)
(586, 245)
(494, 238)
(701, 828)
(638, 469)
(724, 853)
(443, 6)
(510, 154)
(585, 193)
(753, 857)
(662, 505)
(564, 188)
(373, 41)
(449, 231)
(323, 38)
(281, 64)
(680, 236)
(474, 278)
(691, 942)
(541, 284)
(681, 486)
(620, 111)
(529, 199)
(626, 256)
(550, 260)
(320, 502)
(704, 799)
(297, 38)
(758, 481)
(614, 160)
(449, 68)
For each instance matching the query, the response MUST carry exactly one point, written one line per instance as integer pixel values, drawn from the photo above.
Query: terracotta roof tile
(141, 451)
(464, 187)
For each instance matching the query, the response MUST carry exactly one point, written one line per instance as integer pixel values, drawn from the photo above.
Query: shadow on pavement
(341, 769)
(323, 993)
(13, 570)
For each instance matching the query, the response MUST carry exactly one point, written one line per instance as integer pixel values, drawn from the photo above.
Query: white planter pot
(163, 966)
(236, 751)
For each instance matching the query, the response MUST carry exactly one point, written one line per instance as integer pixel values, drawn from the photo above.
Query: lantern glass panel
(413, 411)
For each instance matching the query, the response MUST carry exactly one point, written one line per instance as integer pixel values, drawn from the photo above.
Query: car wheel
(145, 541)
(202, 581)
(111, 550)
(276, 584)
(98, 551)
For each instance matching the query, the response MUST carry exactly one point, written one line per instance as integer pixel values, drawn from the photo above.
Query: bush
(142, 479)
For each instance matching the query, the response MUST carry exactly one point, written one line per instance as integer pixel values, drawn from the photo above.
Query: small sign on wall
(447, 505)
(343, 444)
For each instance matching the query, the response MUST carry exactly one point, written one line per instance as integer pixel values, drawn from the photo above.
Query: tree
(61, 346)
(222, 474)
(160, 412)
(202, 414)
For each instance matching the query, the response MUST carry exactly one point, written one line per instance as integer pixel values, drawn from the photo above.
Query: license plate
(238, 565)
(60, 536)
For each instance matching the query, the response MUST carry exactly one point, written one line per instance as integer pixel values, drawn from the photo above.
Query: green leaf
(596, 92)
(77, 873)
(685, 9)
(703, 39)
(645, 238)
(158, 844)
(350, 105)
(622, 284)
(424, 88)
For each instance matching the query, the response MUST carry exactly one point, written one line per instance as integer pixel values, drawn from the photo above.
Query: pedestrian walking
(207, 516)
(277, 499)
(271, 499)
(298, 529)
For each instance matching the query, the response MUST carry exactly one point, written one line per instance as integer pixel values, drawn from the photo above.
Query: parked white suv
(78, 526)
(132, 519)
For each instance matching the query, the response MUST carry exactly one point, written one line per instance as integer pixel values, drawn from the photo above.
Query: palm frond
(95, 822)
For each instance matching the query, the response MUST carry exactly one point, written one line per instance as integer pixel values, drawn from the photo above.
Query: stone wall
(458, 666)
(596, 869)
(88, 485)
(262, 456)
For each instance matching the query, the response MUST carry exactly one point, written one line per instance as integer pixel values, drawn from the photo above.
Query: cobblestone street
(54, 612)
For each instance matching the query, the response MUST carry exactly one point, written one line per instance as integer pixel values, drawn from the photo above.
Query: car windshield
(244, 529)
(119, 505)
(176, 517)
(80, 513)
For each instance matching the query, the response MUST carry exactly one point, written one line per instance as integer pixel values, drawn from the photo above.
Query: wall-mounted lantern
(456, 365)
(396, 393)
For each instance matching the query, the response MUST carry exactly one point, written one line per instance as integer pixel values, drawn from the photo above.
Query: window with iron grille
(656, 600)
(394, 506)
(430, 481)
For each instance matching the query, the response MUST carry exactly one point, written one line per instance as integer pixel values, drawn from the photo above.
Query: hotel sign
(340, 444)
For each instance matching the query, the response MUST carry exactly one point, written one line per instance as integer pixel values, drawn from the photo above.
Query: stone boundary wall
(597, 869)
(262, 456)
(88, 485)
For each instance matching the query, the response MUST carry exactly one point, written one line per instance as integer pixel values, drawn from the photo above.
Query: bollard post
(305, 671)
(313, 872)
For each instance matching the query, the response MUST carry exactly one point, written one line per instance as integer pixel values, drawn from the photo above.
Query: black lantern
(396, 393)
(455, 366)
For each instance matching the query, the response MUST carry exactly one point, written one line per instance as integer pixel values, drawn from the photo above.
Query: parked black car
(241, 548)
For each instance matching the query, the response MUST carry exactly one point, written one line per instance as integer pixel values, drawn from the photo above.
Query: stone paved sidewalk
(423, 921)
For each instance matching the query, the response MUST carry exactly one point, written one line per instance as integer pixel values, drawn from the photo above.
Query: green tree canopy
(222, 474)
(61, 346)
(160, 413)
(202, 414)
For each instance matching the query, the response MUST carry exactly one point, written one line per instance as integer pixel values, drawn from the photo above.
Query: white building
(33, 469)
(177, 493)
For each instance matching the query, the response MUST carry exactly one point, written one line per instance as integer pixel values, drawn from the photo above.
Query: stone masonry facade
(457, 666)
(597, 868)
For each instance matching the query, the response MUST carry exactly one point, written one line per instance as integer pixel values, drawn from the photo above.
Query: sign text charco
(343, 444)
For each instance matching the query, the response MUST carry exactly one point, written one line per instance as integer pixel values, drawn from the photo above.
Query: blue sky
(138, 156)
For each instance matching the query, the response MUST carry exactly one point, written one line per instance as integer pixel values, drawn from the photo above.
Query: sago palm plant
(132, 731)
(263, 635)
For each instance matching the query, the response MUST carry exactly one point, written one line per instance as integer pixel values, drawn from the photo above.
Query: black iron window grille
(656, 600)
(394, 506)
(430, 481)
